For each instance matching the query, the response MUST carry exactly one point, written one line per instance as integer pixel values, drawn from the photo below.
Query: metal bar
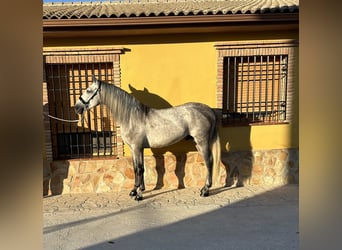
(105, 135)
(87, 85)
(260, 87)
(102, 119)
(74, 95)
(61, 107)
(228, 84)
(247, 96)
(253, 98)
(234, 86)
(108, 117)
(266, 87)
(68, 100)
(52, 79)
(286, 87)
(241, 84)
(95, 116)
(279, 89)
(80, 84)
(273, 75)
(91, 116)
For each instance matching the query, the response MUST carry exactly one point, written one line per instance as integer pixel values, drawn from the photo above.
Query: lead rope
(64, 120)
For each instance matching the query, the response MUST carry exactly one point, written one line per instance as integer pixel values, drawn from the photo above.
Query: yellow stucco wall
(186, 72)
(170, 73)
(177, 73)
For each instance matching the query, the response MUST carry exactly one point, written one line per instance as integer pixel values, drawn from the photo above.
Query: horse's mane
(125, 107)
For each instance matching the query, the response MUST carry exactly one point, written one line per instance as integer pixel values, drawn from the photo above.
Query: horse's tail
(216, 152)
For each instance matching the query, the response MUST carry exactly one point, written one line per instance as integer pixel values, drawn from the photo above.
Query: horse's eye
(88, 90)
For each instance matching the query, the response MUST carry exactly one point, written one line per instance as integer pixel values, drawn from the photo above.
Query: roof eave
(132, 24)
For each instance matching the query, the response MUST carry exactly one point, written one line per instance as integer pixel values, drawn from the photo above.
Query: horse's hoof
(133, 193)
(138, 197)
(204, 193)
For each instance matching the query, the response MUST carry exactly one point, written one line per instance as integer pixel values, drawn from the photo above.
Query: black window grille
(96, 136)
(255, 89)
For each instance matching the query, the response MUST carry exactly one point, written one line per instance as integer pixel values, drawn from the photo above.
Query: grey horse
(145, 127)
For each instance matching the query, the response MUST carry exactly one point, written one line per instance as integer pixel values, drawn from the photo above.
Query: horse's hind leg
(203, 148)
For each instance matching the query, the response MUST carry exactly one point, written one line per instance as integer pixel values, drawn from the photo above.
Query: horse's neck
(124, 106)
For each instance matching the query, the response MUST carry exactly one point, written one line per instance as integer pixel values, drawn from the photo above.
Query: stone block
(121, 164)
(129, 173)
(117, 178)
(270, 172)
(95, 181)
(66, 186)
(87, 188)
(195, 171)
(102, 187)
(200, 183)
(73, 169)
(256, 180)
(199, 158)
(283, 155)
(170, 163)
(104, 168)
(258, 170)
(91, 167)
(172, 180)
(279, 165)
(150, 161)
(188, 181)
(84, 179)
(75, 185)
(82, 167)
(268, 180)
(108, 179)
(128, 184)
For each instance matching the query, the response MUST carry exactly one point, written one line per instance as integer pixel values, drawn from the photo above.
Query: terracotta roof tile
(141, 8)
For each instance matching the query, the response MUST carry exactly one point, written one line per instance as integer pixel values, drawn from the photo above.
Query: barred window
(256, 83)
(256, 89)
(66, 79)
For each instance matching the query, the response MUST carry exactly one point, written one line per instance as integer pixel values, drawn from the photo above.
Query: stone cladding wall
(261, 167)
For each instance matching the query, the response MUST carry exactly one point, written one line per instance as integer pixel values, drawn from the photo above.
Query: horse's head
(90, 98)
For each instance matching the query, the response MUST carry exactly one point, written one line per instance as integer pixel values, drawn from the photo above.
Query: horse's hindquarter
(168, 126)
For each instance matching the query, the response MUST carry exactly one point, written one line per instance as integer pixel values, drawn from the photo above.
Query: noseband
(86, 103)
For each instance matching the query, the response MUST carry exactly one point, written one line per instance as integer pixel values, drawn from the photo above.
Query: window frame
(255, 48)
(80, 56)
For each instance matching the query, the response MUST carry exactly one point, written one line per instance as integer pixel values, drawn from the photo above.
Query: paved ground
(248, 217)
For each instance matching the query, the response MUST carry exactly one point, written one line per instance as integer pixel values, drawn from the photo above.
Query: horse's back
(197, 110)
(199, 117)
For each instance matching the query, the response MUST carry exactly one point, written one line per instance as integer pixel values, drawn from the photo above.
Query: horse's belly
(165, 127)
(164, 139)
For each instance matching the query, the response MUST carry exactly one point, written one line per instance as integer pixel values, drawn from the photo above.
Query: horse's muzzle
(79, 108)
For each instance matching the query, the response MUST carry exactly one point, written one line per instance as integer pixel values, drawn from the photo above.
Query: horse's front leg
(138, 165)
